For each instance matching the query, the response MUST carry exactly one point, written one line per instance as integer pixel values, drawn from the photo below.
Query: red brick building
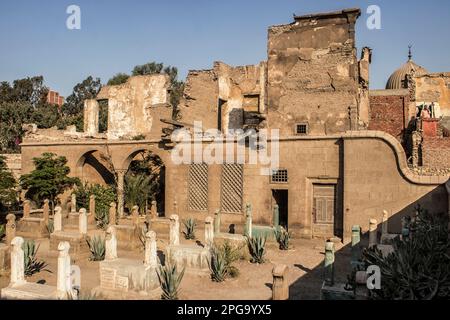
(53, 97)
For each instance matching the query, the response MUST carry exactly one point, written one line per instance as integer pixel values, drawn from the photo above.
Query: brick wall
(388, 114)
(436, 152)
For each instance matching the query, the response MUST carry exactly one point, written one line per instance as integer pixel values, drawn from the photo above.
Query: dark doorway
(281, 198)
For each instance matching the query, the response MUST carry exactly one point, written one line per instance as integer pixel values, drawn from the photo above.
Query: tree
(8, 194)
(87, 89)
(12, 116)
(48, 180)
(148, 68)
(117, 79)
(30, 90)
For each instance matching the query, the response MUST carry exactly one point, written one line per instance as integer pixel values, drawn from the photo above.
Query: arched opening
(145, 182)
(94, 167)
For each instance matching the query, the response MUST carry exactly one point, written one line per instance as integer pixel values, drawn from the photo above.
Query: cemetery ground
(304, 260)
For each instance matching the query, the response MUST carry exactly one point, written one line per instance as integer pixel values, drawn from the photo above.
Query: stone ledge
(29, 291)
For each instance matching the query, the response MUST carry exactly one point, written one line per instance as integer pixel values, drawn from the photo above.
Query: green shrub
(97, 248)
(2, 231)
(170, 280)
(189, 225)
(31, 264)
(104, 195)
(283, 237)
(257, 248)
(50, 226)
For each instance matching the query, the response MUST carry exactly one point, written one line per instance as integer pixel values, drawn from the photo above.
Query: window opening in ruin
(301, 129)
(281, 198)
(279, 176)
(219, 113)
(103, 116)
(198, 187)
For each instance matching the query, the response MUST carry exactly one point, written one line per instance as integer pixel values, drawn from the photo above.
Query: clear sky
(190, 34)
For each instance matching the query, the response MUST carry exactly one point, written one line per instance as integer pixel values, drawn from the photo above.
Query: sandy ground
(254, 282)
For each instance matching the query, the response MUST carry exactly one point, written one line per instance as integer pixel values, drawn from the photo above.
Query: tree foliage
(117, 79)
(144, 181)
(49, 178)
(87, 89)
(104, 195)
(8, 194)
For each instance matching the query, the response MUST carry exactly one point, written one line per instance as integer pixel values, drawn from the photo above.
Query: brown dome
(398, 79)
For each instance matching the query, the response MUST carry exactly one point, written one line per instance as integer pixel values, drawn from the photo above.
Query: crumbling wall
(436, 153)
(220, 97)
(389, 112)
(200, 98)
(313, 73)
(135, 107)
(91, 114)
(434, 88)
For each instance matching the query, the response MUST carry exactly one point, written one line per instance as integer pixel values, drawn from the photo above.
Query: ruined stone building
(345, 153)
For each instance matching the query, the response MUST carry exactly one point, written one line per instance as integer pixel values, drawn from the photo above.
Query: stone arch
(161, 159)
(93, 167)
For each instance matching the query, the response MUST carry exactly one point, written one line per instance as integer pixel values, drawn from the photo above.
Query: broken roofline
(327, 15)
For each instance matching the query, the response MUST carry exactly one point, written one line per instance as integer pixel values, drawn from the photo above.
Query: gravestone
(46, 211)
(26, 208)
(57, 220)
(217, 221)
(209, 232)
(73, 204)
(280, 286)
(174, 232)
(111, 244)
(10, 229)
(112, 214)
(373, 225)
(248, 220)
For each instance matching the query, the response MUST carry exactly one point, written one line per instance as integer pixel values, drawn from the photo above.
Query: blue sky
(191, 34)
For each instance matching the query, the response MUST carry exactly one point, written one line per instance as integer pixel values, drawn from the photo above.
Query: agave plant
(31, 264)
(97, 247)
(218, 265)
(257, 248)
(2, 231)
(419, 266)
(283, 237)
(190, 225)
(170, 279)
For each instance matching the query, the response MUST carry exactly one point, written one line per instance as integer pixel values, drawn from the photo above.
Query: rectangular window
(279, 176)
(198, 187)
(324, 203)
(232, 188)
(301, 129)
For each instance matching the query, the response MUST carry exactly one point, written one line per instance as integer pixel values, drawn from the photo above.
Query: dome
(398, 79)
